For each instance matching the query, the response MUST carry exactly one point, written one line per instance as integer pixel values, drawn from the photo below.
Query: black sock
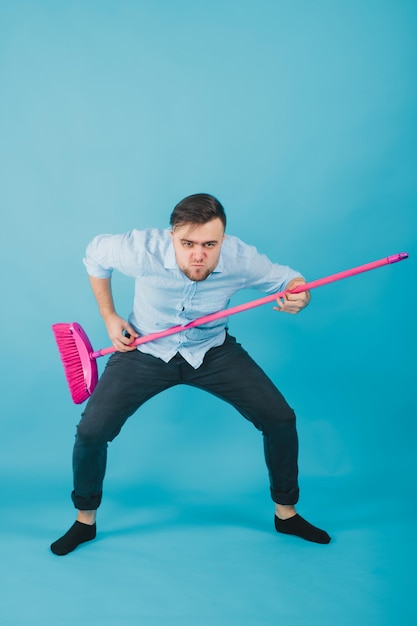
(298, 526)
(78, 533)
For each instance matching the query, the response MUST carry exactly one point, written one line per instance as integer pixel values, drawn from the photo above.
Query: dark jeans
(228, 372)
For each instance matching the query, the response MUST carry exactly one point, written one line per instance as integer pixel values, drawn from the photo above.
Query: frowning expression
(197, 248)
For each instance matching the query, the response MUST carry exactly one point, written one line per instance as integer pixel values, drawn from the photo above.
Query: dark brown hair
(199, 208)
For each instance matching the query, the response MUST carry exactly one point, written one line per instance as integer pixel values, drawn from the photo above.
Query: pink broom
(79, 359)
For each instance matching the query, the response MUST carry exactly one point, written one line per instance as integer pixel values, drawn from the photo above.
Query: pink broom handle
(260, 301)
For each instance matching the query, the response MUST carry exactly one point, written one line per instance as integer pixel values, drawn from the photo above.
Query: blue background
(301, 117)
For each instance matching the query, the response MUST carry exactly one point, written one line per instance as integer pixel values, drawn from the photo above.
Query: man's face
(197, 248)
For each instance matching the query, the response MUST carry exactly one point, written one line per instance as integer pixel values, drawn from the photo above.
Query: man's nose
(198, 253)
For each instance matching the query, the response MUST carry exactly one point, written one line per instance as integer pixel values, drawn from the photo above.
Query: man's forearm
(120, 331)
(101, 288)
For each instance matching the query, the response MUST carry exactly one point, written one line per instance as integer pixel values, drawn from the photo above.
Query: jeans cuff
(290, 497)
(86, 504)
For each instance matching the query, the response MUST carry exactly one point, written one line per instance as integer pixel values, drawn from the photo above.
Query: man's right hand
(117, 329)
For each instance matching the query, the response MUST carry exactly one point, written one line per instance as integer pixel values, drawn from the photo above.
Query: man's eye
(187, 244)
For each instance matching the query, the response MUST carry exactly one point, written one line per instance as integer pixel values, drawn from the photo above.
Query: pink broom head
(79, 368)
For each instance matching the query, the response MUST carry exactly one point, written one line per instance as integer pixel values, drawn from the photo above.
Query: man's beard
(199, 276)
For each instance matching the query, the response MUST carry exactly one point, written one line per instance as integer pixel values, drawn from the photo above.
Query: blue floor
(193, 558)
(193, 542)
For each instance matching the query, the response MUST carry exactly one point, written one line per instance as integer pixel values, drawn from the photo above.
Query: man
(181, 274)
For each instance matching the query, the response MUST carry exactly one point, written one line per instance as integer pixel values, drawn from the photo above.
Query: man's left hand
(293, 302)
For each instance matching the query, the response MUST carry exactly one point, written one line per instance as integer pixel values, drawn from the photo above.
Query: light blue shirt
(165, 297)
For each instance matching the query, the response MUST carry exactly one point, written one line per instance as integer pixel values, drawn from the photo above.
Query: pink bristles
(79, 368)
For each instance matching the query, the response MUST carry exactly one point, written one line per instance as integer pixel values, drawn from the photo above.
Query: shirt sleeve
(263, 274)
(106, 253)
